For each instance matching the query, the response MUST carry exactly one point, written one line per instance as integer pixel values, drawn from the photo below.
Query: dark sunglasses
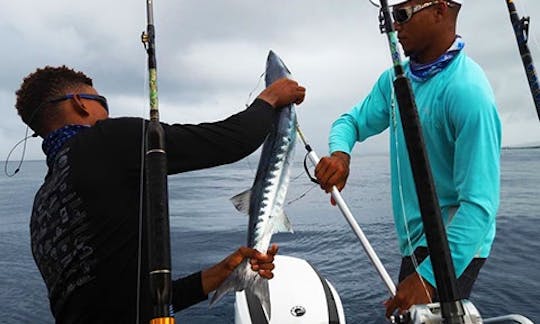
(102, 100)
(404, 14)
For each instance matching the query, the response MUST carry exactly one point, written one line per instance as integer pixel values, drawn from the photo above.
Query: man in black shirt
(84, 224)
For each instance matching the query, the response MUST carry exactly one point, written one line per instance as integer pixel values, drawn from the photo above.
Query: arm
(191, 147)
(196, 287)
(366, 119)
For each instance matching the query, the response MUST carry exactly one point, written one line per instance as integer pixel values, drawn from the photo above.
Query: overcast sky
(211, 53)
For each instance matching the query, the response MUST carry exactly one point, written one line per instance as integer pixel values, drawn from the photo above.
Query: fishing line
(141, 205)
(301, 196)
(304, 193)
(248, 101)
(306, 169)
(247, 104)
(296, 177)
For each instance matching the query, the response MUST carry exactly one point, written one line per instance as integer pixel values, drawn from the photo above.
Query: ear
(79, 105)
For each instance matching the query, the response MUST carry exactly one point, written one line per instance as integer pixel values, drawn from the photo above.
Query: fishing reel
(431, 314)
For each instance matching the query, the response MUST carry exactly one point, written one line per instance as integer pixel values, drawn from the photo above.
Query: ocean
(205, 228)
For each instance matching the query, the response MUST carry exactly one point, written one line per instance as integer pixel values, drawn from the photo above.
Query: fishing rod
(156, 195)
(452, 310)
(352, 221)
(521, 30)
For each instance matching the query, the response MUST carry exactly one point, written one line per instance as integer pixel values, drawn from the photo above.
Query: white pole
(354, 225)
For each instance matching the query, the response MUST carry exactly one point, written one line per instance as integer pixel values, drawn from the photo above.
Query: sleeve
(188, 146)
(368, 118)
(187, 291)
(192, 147)
(476, 173)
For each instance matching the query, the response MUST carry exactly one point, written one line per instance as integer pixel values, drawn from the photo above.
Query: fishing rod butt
(162, 320)
(161, 294)
(157, 198)
(157, 221)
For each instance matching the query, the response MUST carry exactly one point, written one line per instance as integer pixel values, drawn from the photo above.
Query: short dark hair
(43, 85)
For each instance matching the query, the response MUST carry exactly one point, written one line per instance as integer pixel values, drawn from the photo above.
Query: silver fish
(264, 201)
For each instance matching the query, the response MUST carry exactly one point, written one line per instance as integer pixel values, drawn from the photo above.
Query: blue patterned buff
(56, 139)
(422, 72)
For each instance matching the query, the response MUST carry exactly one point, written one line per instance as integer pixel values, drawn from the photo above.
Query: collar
(55, 140)
(422, 72)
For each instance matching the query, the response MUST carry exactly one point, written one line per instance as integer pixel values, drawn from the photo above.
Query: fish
(265, 200)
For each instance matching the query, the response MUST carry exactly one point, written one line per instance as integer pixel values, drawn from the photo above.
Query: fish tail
(243, 278)
(259, 288)
(238, 280)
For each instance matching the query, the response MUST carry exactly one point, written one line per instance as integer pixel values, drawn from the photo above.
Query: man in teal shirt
(462, 134)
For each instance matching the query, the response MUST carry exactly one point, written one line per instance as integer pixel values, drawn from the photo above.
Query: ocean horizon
(205, 227)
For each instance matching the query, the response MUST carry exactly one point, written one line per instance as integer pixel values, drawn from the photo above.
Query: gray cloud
(211, 53)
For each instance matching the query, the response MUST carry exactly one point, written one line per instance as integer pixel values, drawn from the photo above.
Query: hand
(409, 292)
(333, 171)
(262, 263)
(283, 92)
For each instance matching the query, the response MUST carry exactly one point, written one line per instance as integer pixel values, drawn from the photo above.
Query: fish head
(275, 68)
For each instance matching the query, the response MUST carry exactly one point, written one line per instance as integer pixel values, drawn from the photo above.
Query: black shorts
(464, 283)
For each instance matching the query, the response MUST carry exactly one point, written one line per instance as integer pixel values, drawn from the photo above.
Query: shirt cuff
(188, 291)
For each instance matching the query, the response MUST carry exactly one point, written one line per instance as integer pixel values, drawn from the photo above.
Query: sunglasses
(102, 100)
(404, 14)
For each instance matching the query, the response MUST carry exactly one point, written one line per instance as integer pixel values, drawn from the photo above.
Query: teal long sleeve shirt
(462, 133)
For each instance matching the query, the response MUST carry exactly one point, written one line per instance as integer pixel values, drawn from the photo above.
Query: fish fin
(238, 280)
(282, 223)
(259, 288)
(241, 201)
